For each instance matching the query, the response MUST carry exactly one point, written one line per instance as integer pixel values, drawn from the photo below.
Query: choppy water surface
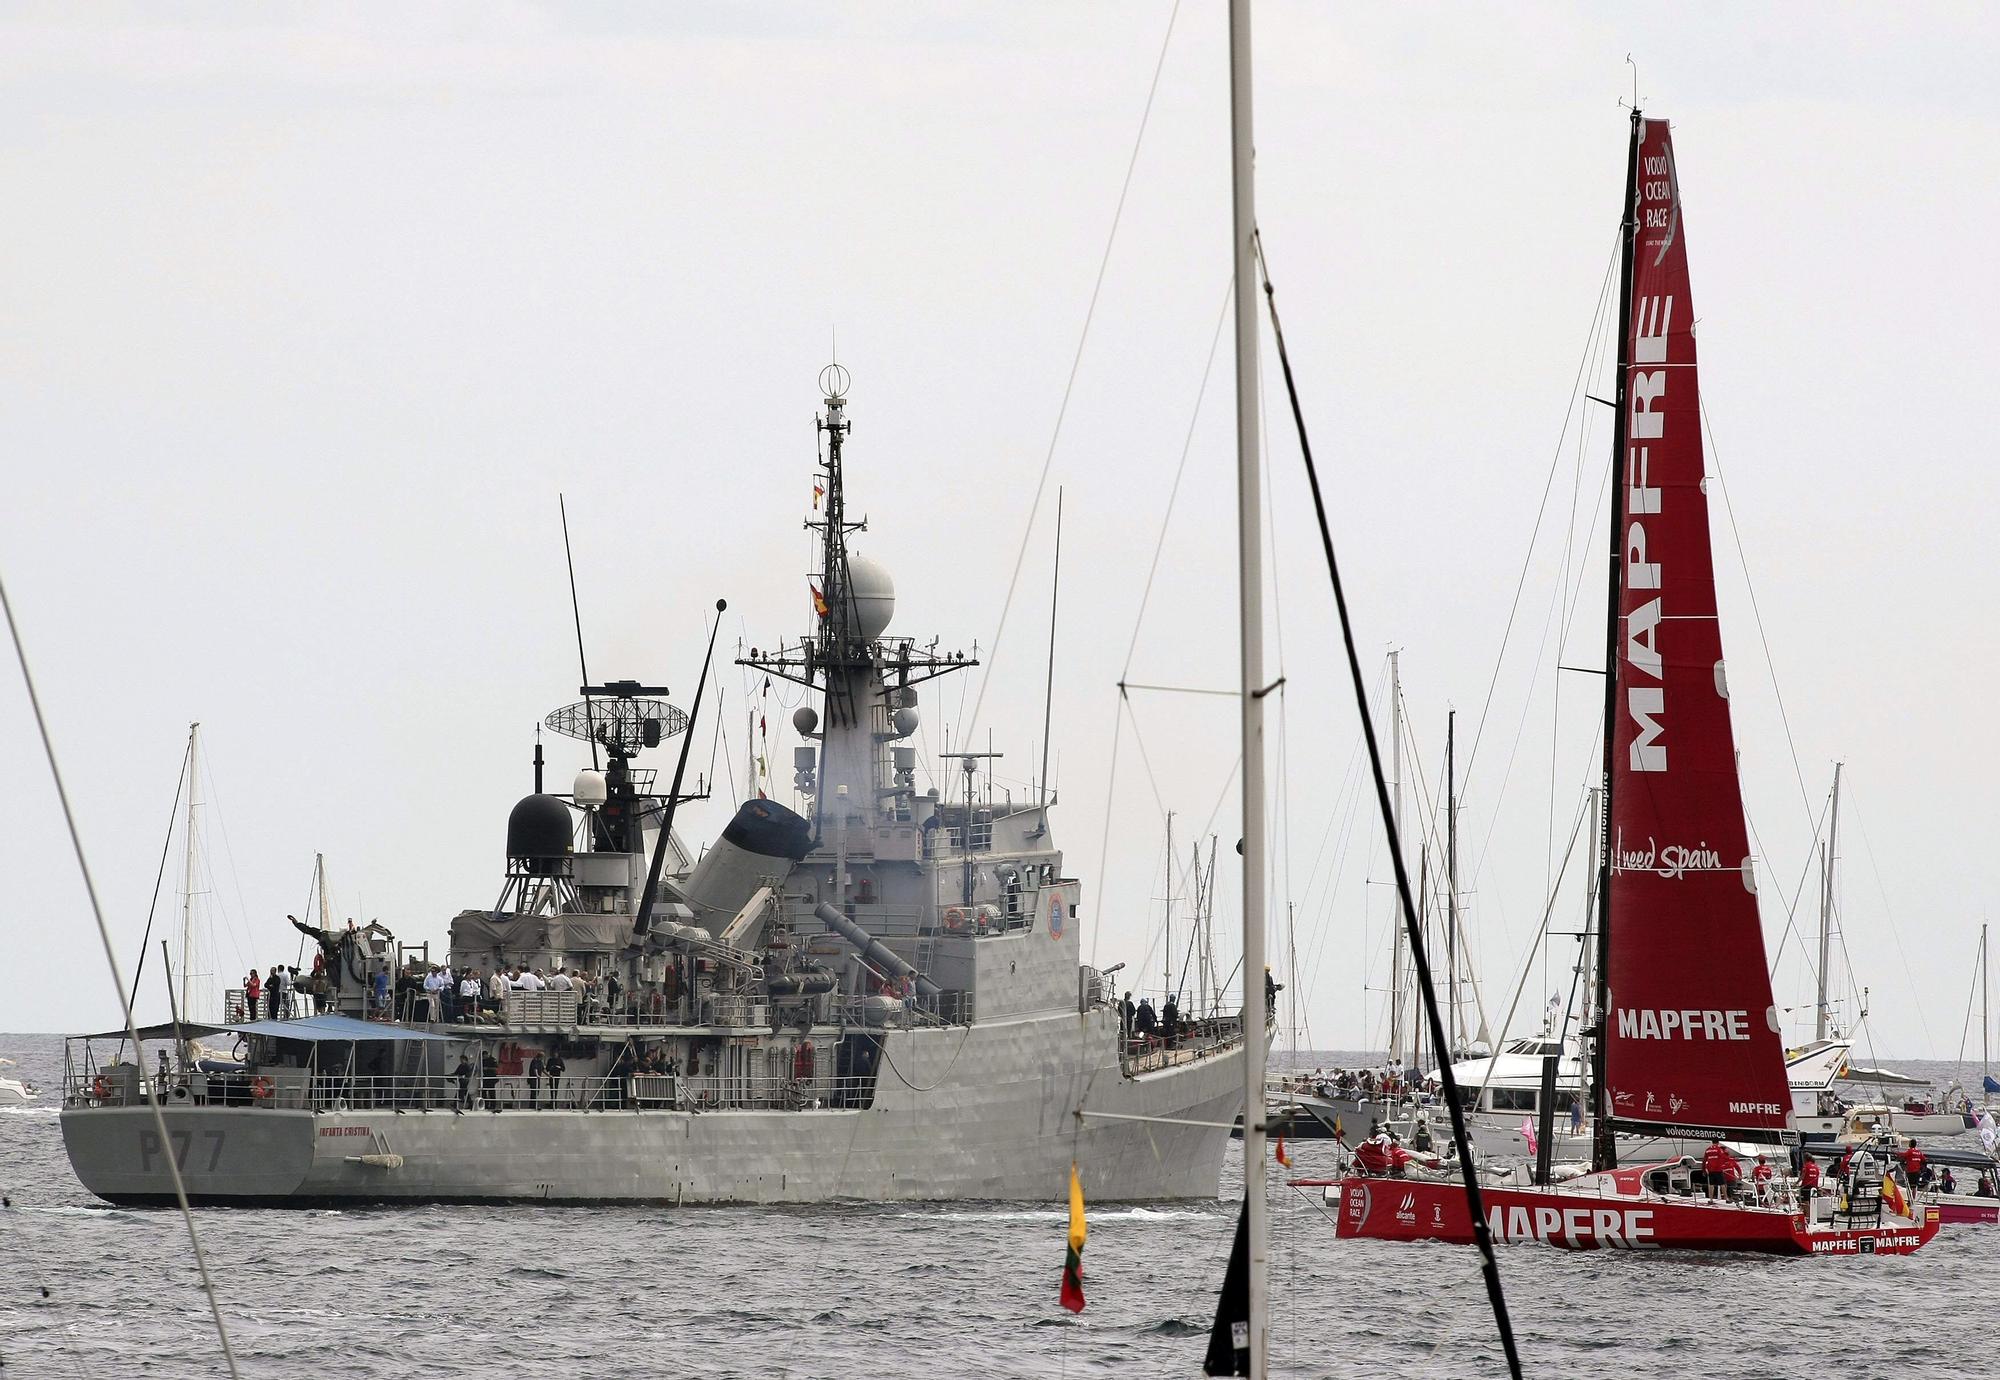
(885, 1291)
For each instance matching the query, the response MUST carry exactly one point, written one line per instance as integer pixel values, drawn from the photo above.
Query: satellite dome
(805, 719)
(874, 596)
(538, 833)
(905, 722)
(590, 790)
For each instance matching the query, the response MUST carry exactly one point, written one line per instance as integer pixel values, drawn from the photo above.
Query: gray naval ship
(879, 999)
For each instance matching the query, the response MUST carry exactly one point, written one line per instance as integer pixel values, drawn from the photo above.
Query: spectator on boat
(611, 988)
(1145, 1023)
(554, 1067)
(489, 1081)
(1809, 1183)
(1721, 1169)
(535, 1067)
(530, 981)
(1128, 1011)
(1170, 1020)
(1576, 1116)
(499, 989)
(1984, 1189)
(1946, 1183)
(1271, 989)
(469, 988)
(253, 992)
(463, 1073)
(271, 993)
(559, 980)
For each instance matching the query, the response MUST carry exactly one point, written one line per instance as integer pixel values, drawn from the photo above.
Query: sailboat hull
(1428, 1210)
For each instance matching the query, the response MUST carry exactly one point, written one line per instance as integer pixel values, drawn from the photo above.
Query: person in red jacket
(1914, 1161)
(1721, 1168)
(1760, 1179)
(1809, 1184)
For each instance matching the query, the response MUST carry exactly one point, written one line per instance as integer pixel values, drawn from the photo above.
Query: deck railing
(295, 1089)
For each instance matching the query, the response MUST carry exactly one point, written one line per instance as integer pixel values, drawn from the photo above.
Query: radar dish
(621, 725)
(833, 381)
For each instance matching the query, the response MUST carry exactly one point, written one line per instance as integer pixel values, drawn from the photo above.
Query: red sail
(1692, 1034)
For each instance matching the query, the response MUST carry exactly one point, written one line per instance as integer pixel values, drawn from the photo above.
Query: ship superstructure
(879, 997)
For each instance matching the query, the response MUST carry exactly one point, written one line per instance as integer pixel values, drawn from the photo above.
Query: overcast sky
(307, 315)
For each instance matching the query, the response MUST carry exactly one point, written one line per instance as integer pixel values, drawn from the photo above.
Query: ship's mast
(192, 866)
(1827, 859)
(1250, 596)
(1604, 1140)
(1396, 814)
(1451, 876)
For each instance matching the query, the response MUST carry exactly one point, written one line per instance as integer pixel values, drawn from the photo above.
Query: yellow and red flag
(1892, 1194)
(1281, 1154)
(1072, 1275)
(819, 492)
(819, 601)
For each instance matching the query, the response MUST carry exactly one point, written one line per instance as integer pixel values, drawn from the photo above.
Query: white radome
(874, 595)
(590, 790)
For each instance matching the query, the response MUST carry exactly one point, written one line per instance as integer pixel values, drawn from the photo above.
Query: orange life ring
(100, 1088)
(260, 1088)
(954, 919)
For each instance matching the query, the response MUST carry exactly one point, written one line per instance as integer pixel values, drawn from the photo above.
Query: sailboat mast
(1827, 860)
(1451, 873)
(1985, 1015)
(1396, 814)
(192, 866)
(1604, 1142)
(1250, 596)
(1169, 945)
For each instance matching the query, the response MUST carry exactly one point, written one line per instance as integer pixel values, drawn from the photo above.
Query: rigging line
(1076, 362)
(1541, 939)
(1174, 489)
(1482, 1233)
(166, 847)
(1736, 537)
(1104, 839)
(1895, 930)
(1798, 893)
(117, 977)
(1541, 510)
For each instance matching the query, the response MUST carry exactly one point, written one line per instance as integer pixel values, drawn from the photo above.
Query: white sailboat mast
(1250, 595)
(1826, 904)
(192, 868)
(1396, 816)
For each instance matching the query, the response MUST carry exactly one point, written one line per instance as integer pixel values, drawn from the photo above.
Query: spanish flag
(819, 492)
(1072, 1276)
(1892, 1194)
(1281, 1154)
(819, 601)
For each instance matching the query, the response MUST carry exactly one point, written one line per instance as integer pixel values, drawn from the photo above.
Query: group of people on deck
(283, 993)
(466, 995)
(543, 1069)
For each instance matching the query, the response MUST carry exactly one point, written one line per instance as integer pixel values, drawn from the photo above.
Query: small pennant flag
(819, 492)
(819, 601)
(1281, 1154)
(1528, 1134)
(1072, 1275)
(1339, 1131)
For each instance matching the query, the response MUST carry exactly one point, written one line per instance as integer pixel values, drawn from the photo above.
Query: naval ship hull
(952, 1118)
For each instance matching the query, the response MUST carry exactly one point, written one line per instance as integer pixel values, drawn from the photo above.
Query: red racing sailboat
(1686, 1043)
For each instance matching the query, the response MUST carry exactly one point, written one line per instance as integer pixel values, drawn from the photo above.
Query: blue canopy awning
(315, 1029)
